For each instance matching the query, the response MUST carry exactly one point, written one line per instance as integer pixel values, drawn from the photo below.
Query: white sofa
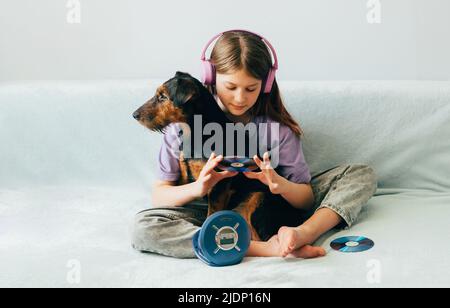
(75, 167)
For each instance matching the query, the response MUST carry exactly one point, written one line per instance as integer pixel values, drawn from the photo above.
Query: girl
(334, 198)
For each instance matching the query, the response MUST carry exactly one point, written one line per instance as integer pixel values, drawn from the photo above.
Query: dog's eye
(162, 97)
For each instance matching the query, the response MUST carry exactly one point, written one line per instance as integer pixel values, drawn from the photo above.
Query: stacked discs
(223, 239)
(352, 244)
(238, 164)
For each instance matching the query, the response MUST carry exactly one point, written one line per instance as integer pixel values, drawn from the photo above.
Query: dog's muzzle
(137, 115)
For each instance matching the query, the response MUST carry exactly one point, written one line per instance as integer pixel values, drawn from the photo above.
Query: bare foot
(304, 252)
(272, 248)
(308, 252)
(294, 240)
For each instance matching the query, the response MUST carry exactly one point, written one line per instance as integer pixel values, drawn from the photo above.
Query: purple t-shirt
(291, 161)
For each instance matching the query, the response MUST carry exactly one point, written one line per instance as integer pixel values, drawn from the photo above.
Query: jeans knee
(163, 235)
(144, 233)
(367, 176)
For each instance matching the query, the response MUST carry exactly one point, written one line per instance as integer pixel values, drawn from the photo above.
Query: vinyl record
(237, 163)
(352, 244)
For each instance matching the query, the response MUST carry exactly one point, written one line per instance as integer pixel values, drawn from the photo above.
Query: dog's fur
(178, 100)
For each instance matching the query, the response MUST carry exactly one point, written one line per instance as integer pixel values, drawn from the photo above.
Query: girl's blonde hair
(238, 50)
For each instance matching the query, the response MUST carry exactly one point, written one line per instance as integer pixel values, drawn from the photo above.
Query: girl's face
(238, 91)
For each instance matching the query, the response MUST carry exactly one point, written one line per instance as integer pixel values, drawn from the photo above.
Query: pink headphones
(209, 72)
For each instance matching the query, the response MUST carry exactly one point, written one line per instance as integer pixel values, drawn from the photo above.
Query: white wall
(315, 39)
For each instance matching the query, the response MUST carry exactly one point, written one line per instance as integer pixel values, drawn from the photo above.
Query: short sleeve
(169, 153)
(292, 164)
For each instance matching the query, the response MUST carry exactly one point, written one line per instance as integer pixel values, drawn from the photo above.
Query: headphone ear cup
(270, 80)
(209, 75)
(213, 74)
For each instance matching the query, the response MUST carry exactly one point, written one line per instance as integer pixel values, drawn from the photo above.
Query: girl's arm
(166, 193)
(299, 196)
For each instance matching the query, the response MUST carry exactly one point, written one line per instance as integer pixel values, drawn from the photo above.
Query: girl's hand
(208, 178)
(268, 175)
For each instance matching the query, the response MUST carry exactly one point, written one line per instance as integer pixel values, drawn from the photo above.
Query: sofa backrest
(82, 133)
(400, 128)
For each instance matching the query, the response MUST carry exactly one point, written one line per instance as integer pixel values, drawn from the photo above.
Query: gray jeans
(169, 231)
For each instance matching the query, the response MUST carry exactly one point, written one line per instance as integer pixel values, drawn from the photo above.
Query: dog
(178, 100)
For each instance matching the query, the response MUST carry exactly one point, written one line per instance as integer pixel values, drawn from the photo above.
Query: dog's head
(174, 101)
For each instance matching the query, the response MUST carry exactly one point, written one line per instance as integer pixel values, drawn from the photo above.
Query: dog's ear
(182, 74)
(186, 90)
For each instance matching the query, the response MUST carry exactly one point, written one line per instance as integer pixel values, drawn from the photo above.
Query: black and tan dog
(178, 100)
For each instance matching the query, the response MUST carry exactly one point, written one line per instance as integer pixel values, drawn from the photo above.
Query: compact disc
(237, 163)
(352, 244)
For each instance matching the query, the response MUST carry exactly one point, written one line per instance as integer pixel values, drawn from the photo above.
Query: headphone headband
(208, 67)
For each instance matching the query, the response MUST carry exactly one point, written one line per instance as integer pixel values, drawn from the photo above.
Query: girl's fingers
(213, 157)
(210, 166)
(227, 174)
(266, 157)
(266, 162)
(252, 175)
(257, 161)
(207, 177)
